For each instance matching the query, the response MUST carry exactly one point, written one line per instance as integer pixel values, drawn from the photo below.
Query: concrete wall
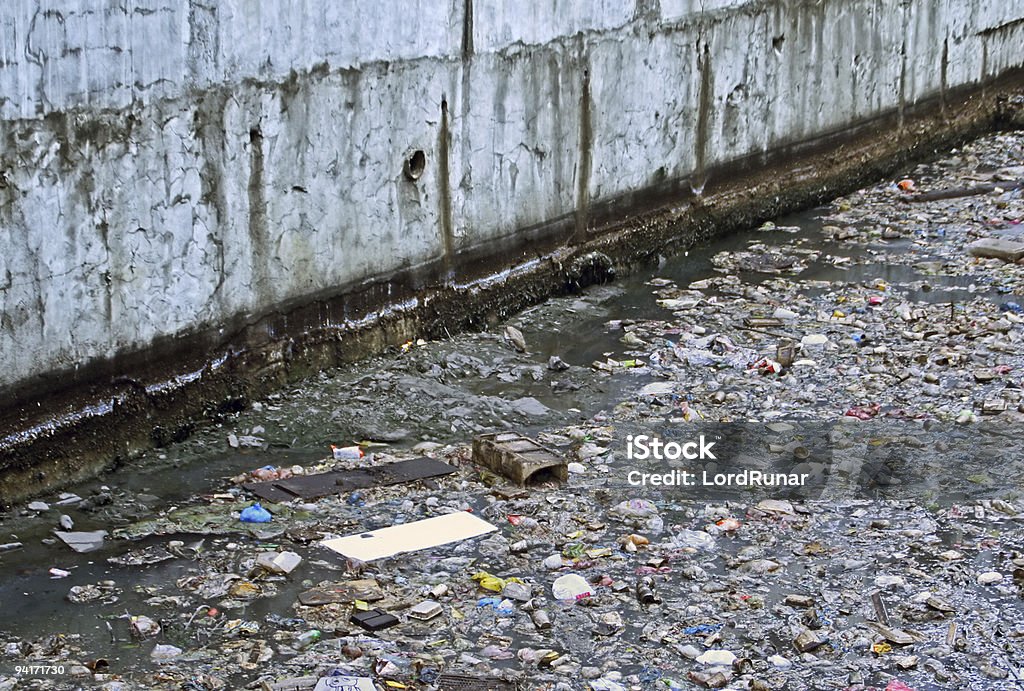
(169, 165)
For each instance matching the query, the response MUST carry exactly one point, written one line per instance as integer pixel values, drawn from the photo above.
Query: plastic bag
(256, 514)
(571, 586)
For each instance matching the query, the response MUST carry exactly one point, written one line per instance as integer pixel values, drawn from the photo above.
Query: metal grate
(461, 682)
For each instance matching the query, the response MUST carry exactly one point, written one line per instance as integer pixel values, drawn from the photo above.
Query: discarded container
(374, 619)
(807, 641)
(717, 657)
(785, 353)
(693, 539)
(144, 627)
(162, 653)
(645, 592)
(425, 611)
(255, 514)
(553, 562)
(540, 619)
(279, 562)
(306, 639)
(347, 453)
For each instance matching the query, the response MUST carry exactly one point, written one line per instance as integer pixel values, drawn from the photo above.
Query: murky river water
(359, 402)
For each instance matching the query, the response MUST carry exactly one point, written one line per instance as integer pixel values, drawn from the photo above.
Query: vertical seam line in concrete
(944, 81)
(585, 142)
(903, 68)
(258, 230)
(445, 195)
(467, 30)
(467, 64)
(703, 117)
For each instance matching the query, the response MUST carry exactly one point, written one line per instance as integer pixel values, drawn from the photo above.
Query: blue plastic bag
(495, 604)
(256, 514)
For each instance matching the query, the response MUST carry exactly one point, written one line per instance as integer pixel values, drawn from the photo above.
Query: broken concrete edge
(63, 433)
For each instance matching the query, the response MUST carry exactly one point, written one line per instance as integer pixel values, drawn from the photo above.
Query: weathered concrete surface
(197, 200)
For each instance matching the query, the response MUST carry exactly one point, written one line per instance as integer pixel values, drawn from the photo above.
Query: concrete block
(519, 458)
(997, 248)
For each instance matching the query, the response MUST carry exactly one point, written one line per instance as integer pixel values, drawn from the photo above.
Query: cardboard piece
(345, 683)
(410, 537)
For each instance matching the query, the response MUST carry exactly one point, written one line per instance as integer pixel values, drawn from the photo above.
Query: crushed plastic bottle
(694, 539)
(347, 453)
(308, 638)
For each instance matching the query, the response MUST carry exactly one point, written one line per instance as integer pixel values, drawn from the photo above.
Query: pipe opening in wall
(415, 163)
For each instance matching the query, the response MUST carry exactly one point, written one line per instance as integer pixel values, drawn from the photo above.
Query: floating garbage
(82, 541)
(255, 514)
(410, 537)
(427, 565)
(571, 586)
(343, 453)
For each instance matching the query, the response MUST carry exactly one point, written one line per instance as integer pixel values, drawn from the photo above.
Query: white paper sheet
(410, 537)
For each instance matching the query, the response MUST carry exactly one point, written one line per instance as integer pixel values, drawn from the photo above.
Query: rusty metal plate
(343, 481)
(461, 682)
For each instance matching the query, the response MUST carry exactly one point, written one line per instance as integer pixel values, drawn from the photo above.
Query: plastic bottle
(540, 619)
(347, 452)
(307, 639)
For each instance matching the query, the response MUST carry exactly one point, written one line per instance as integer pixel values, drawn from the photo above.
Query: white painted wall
(133, 206)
